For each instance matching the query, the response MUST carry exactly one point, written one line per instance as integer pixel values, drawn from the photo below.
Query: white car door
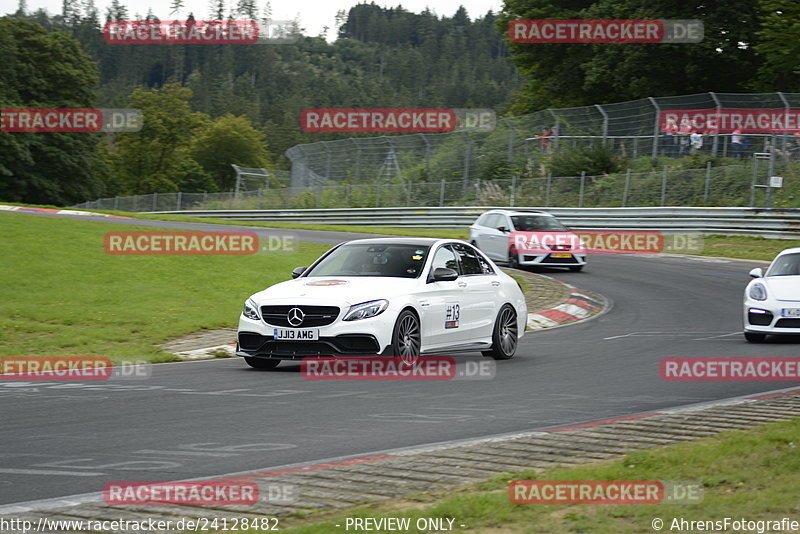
(497, 248)
(479, 293)
(483, 232)
(443, 302)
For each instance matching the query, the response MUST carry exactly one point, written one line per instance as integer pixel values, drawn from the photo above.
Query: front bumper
(764, 317)
(364, 337)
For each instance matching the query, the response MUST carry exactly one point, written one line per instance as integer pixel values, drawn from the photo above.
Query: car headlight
(366, 310)
(758, 292)
(251, 310)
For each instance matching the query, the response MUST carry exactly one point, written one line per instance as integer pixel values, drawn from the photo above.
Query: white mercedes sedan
(402, 297)
(772, 300)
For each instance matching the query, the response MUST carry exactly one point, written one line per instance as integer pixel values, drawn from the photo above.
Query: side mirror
(298, 271)
(443, 274)
(758, 272)
(503, 229)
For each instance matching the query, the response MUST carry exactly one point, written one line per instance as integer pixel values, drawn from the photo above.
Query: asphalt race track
(200, 419)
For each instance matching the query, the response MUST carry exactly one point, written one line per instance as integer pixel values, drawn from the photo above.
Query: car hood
(783, 287)
(347, 290)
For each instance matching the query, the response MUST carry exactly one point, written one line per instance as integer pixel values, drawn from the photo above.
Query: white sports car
(396, 296)
(772, 300)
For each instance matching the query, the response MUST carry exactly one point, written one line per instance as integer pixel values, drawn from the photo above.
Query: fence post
(378, 200)
(327, 160)
(116, 203)
(155, 201)
(770, 172)
(513, 189)
(441, 194)
(663, 186)
(347, 195)
(625, 191)
(605, 121)
(753, 184)
(547, 189)
(358, 158)
(583, 183)
(178, 204)
(427, 156)
(238, 179)
(656, 131)
(510, 140)
(259, 198)
(708, 182)
(788, 108)
(554, 131)
(467, 157)
(408, 194)
(715, 143)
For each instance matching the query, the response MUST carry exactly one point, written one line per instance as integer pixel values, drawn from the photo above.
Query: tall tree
(151, 160)
(779, 46)
(562, 75)
(176, 7)
(227, 141)
(45, 167)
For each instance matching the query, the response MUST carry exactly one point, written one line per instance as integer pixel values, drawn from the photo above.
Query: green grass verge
(745, 247)
(748, 474)
(64, 296)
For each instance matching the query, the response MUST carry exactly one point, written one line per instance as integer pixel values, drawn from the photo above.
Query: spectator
(696, 140)
(670, 141)
(739, 144)
(683, 137)
(792, 149)
(545, 137)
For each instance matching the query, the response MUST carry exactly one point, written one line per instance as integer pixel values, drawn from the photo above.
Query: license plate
(561, 255)
(790, 312)
(296, 334)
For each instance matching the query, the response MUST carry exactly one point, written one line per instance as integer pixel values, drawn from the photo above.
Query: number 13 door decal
(451, 315)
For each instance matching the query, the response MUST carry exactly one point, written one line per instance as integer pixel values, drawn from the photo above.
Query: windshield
(536, 223)
(786, 265)
(401, 261)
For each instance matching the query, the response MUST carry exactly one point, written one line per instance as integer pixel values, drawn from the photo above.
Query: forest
(208, 106)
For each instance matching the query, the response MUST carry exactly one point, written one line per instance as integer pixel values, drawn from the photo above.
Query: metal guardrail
(772, 223)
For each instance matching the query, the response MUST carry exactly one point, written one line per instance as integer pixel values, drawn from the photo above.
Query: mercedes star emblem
(295, 316)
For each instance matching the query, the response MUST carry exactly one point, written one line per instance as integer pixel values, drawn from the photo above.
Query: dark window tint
(393, 260)
(470, 261)
(786, 265)
(537, 223)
